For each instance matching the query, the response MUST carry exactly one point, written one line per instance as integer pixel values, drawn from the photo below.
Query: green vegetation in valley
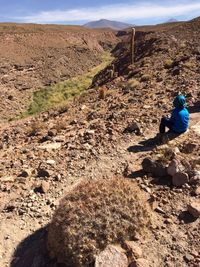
(61, 93)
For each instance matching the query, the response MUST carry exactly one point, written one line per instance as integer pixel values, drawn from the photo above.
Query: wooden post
(132, 45)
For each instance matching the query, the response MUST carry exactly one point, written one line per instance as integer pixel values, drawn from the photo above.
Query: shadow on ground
(195, 108)
(151, 143)
(32, 251)
(186, 217)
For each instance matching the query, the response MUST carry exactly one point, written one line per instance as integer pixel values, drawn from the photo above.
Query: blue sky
(79, 12)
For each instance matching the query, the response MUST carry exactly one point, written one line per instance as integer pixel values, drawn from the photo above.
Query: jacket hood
(179, 102)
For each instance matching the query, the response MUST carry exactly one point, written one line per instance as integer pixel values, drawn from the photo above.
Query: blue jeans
(165, 123)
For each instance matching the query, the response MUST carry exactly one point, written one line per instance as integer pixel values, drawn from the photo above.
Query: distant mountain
(172, 20)
(104, 23)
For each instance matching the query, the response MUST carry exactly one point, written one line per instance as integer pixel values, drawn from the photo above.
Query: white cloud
(116, 12)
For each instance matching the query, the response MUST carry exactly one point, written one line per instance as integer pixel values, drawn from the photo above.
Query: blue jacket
(180, 120)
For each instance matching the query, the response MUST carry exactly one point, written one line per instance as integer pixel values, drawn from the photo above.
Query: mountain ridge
(104, 23)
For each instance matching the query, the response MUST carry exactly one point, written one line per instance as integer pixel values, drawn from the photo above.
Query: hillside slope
(34, 56)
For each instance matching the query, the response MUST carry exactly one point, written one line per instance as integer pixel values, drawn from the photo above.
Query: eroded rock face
(112, 256)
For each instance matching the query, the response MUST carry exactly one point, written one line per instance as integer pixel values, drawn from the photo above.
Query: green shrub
(93, 215)
(62, 92)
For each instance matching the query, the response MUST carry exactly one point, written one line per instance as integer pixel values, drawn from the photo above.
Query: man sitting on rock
(179, 121)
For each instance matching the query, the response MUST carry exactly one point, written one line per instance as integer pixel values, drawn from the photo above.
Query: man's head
(179, 102)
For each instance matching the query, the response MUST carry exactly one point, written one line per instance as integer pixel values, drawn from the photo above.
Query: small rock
(140, 263)
(168, 221)
(159, 210)
(50, 146)
(176, 71)
(50, 162)
(176, 150)
(7, 179)
(194, 209)
(9, 208)
(10, 97)
(43, 173)
(175, 166)
(146, 107)
(25, 173)
(172, 168)
(45, 187)
(188, 257)
(180, 178)
(112, 256)
(133, 249)
(154, 167)
(52, 132)
(195, 178)
(133, 128)
(197, 191)
(189, 148)
(153, 204)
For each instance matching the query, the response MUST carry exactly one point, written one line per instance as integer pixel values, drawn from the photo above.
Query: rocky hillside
(107, 133)
(34, 56)
(166, 62)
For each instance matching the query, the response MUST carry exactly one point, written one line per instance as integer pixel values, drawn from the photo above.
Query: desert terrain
(106, 132)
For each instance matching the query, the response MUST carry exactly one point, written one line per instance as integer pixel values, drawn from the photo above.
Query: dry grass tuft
(166, 154)
(168, 63)
(93, 215)
(60, 125)
(133, 84)
(145, 78)
(102, 92)
(35, 128)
